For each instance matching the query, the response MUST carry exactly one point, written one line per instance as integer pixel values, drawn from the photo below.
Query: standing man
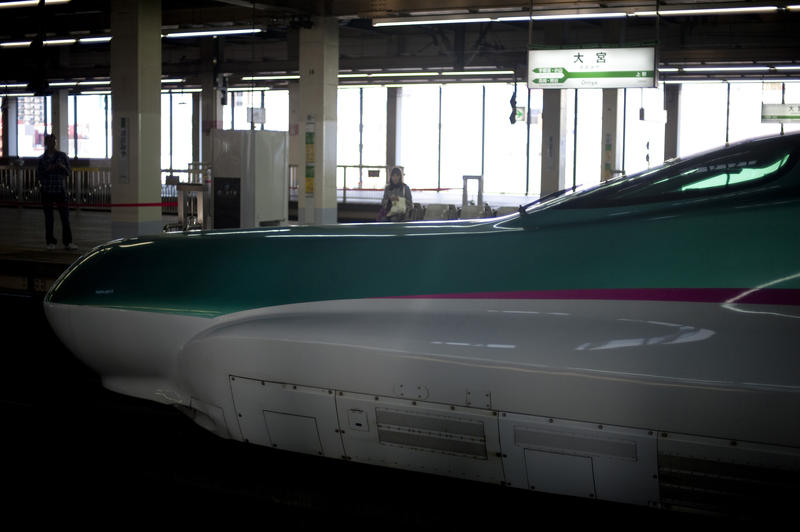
(52, 175)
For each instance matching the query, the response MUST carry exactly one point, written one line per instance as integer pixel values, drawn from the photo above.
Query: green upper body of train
(710, 228)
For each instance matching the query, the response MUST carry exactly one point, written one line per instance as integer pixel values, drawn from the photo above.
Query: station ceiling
(398, 36)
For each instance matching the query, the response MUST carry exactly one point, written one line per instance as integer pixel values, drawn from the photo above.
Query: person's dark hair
(397, 171)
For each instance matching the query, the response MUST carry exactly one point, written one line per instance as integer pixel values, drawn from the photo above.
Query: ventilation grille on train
(461, 437)
(725, 488)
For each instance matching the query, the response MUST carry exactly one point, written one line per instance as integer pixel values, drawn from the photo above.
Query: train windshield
(738, 168)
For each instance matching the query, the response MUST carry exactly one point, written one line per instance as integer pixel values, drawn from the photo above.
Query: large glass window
(792, 95)
(182, 111)
(274, 103)
(348, 119)
(33, 119)
(176, 131)
(701, 117)
(583, 157)
(374, 120)
(348, 123)
(92, 112)
(745, 110)
(505, 143)
(419, 135)
(462, 118)
(644, 129)
(276, 108)
(534, 184)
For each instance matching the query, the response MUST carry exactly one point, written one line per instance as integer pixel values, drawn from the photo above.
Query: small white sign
(780, 112)
(256, 115)
(591, 68)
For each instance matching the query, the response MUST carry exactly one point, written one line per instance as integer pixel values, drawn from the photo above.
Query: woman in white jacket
(397, 203)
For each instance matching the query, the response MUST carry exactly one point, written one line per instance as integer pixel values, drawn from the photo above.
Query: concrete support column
(136, 111)
(612, 133)
(394, 97)
(10, 127)
(297, 148)
(60, 118)
(554, 149)
(672, 100)
(319, 81)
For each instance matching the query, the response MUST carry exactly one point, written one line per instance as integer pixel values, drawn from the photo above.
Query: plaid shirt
(52, 176)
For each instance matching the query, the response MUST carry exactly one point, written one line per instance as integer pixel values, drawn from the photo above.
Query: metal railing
(88, 187)
(356, 183)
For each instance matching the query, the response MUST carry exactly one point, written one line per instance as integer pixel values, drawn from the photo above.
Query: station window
(462, 118)
(505, 143)
(701, 117)
(361, 137)
(275, 104)
(89, 126)
(419, 135)
(644, 129)
(33, 122)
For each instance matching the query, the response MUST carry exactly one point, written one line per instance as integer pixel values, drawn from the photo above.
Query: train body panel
(591, 345)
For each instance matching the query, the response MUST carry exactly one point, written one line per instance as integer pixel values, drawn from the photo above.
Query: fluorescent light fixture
(443, 12)
(180, 91)
(577, 16)
(92, 40)
(63, 83)
(353, 75)
(95, 92)
(173, 80)
(668, 69)
(726, 69)
(707, 11)
(692, 81)
(30, 3)
(59, 42)
(208, 33)
(478, 73)
(788, 67)
(247, 89)
(14, 86)
(793, 8)
(260, 78)
(401, 74)
(21, 95)
(423, 21)
(15, 44)
(84, 83)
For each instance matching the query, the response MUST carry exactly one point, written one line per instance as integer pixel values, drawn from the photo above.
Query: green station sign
(780, 112)
(591, 68)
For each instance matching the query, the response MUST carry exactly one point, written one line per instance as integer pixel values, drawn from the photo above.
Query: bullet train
(638, 341)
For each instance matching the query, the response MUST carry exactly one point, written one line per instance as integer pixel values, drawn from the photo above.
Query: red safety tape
(97, 205)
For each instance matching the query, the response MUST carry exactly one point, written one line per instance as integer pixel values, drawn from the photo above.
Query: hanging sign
(124, 147)
(310, 158)
(591, 68)
(780, 112)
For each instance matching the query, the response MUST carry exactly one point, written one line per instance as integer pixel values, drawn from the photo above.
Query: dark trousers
(60, 202)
